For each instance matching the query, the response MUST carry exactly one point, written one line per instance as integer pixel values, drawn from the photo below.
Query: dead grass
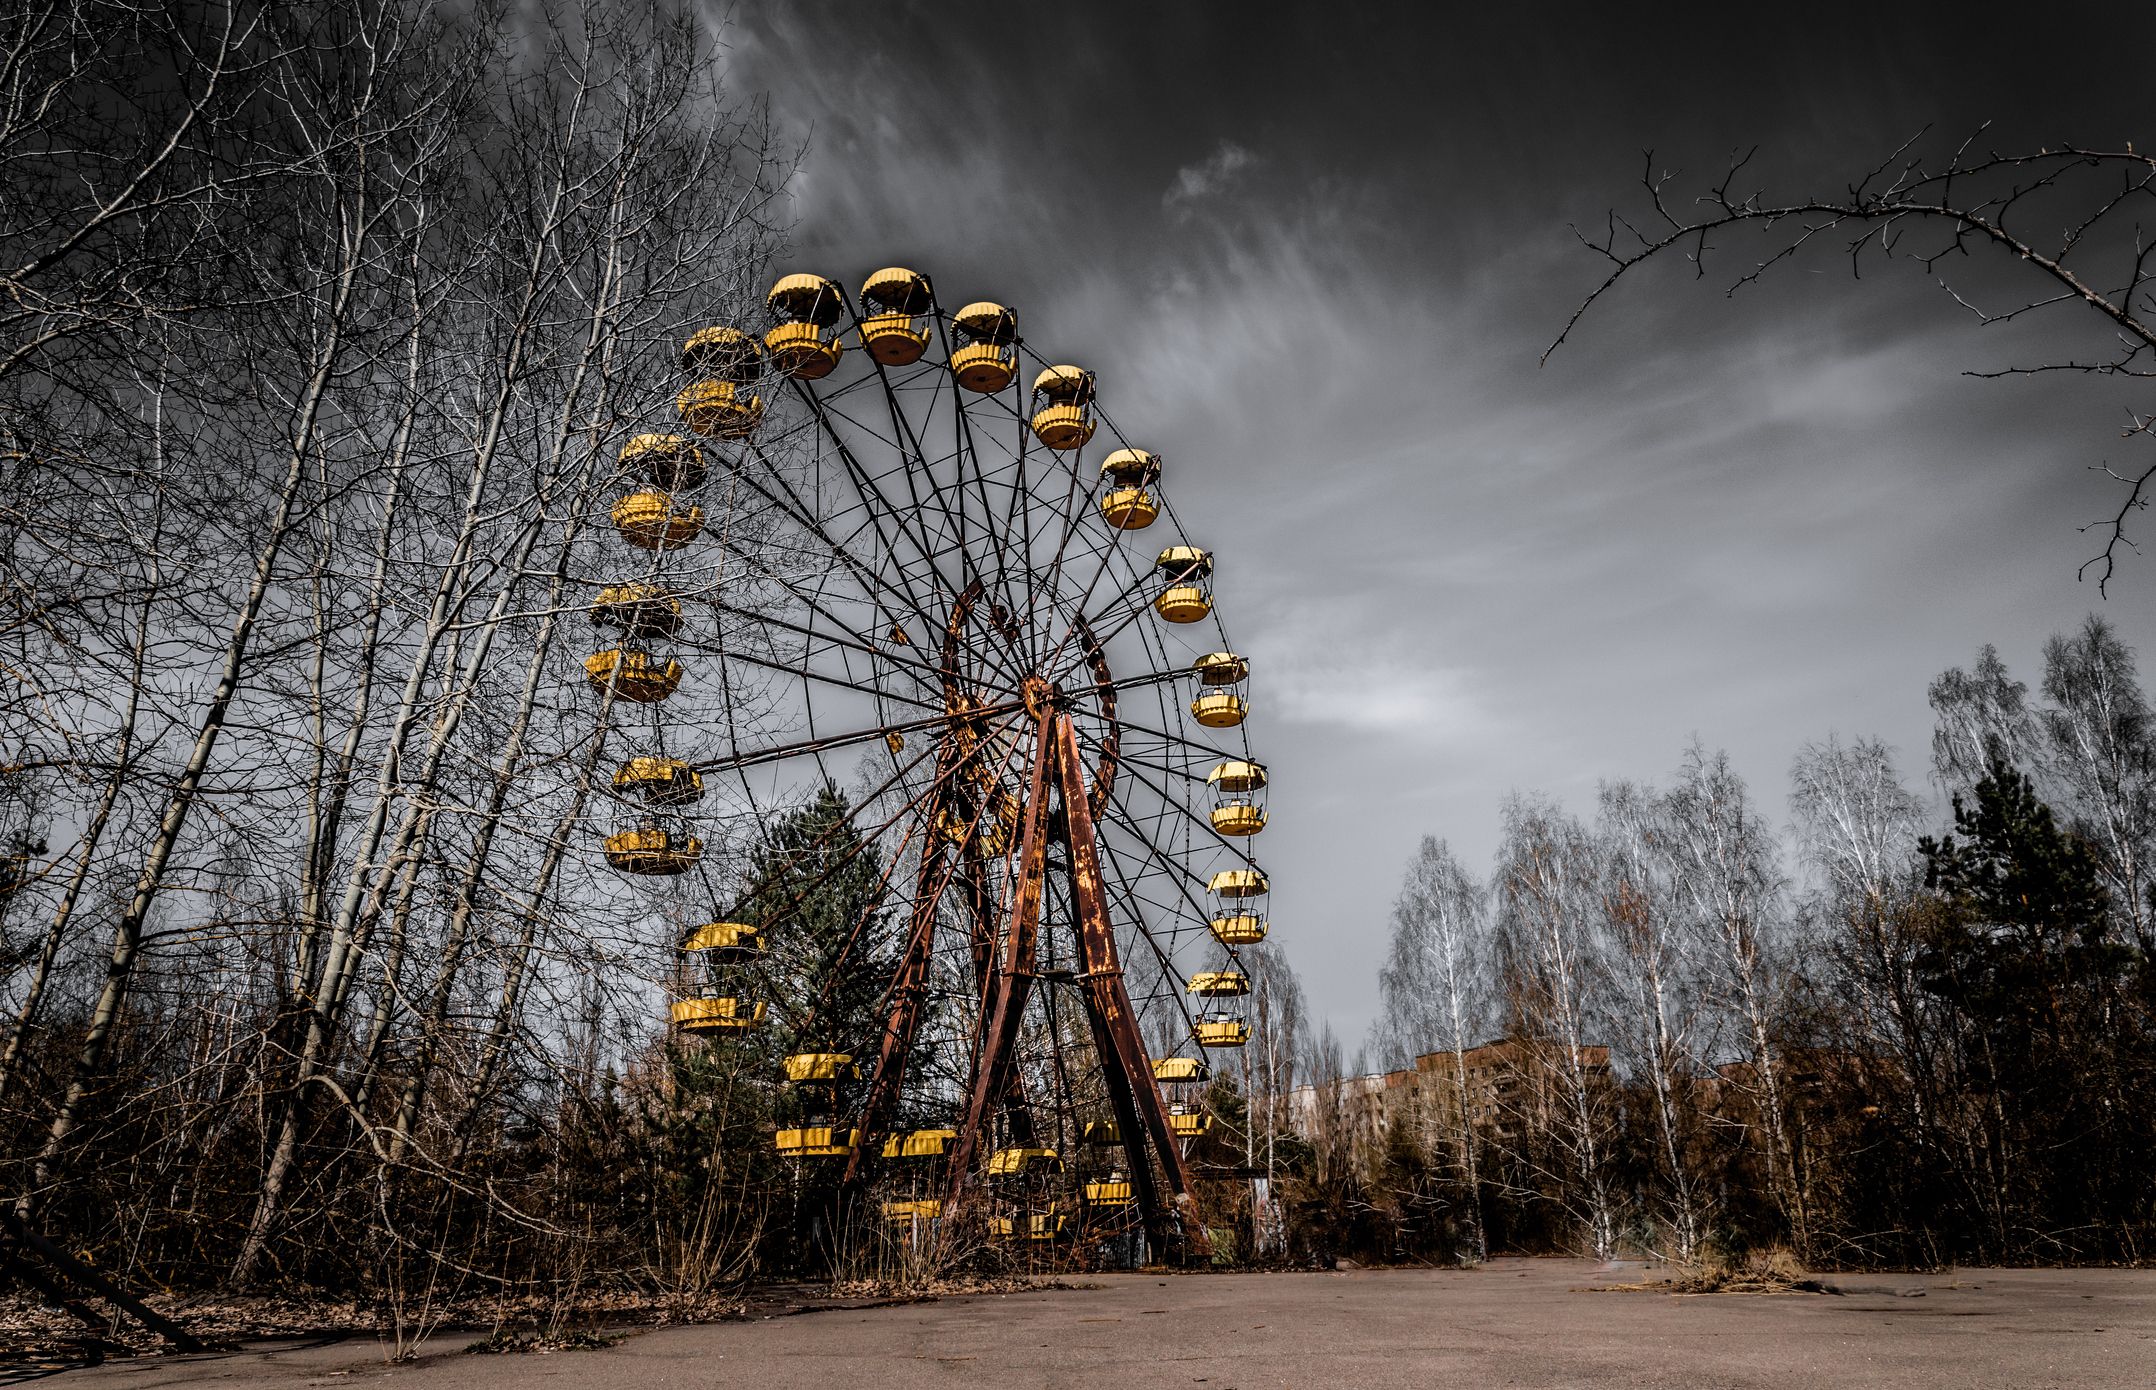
(1774, 1270)
(29, 1328)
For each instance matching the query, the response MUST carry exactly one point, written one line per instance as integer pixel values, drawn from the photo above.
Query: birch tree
(1436, 997)
(1657, 963)
(1554, 963)
(1724, 881)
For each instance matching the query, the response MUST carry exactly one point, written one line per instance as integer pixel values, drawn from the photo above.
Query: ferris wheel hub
(1041, 696)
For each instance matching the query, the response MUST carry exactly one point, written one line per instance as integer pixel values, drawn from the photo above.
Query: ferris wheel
(944, 572)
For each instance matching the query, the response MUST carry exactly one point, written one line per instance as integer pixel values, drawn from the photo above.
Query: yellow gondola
(651, 521)
(1218, 709)
(653, 851)
(1179, 1070)
(1113, 1192)
(1218, 984)
(1129, 505)
(894, 301)
(920, 1143)
(1236, 786)
(720, 409)
(989, 357)
(809, 1067)
(1187, 572)
(670, 461)
(919, 1209)
(1045, 1225)
(1063, 407)
(725, 354)
(660, 781)
(1220, 1031)
(1023, 1159)
(804, 342)
(1188, 1121)
(716, 1015)
(725, 940)
(821, 1141)
(639, 609)
(638, 677)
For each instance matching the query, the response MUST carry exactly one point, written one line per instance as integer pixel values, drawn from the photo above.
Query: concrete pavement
(1526, 1323)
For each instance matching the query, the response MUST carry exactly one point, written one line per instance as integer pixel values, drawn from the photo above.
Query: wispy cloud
(1208, 178)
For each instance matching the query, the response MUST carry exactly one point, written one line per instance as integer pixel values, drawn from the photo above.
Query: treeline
(1879, 1036)
(323, 328)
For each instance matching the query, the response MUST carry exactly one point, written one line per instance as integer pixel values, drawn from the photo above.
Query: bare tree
(2073, 217)
(1980, 714)
(1554, 964)
(2103, 750)
(1436, 997)
(290, 562)
(1724, 881)
(1659, 967)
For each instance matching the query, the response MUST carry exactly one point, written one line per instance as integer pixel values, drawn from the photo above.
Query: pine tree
(2019, 950)
(817, 889)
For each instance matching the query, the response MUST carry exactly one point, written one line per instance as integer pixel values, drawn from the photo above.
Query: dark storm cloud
(1314, 255)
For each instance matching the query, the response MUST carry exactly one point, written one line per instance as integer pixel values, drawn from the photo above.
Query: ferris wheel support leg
(1013, 983)
(1132, 1092)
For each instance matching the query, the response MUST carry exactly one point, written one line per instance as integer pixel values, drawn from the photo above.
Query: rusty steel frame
(1141, 1115)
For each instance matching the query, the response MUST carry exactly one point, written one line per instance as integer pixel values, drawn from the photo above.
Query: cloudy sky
(1314, 253)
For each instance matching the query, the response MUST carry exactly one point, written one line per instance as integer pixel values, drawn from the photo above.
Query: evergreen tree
(817, 889)
(816, 886)
(2019, 950)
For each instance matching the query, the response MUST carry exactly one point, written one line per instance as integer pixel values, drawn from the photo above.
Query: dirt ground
(1512, 1323)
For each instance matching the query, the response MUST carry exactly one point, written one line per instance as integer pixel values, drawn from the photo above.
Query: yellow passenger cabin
(659, 781)
(1222, 1030)
(807, 1068)
(1238, 786)
(1110, 1192)
(1219, 709)
(653, 851)
(1189, 1121)
(1023, 1161)
(895, 303)
(725, 941)
(636, 676)
(1129, 504)
(1218, 984)
(723, 353)
(1238, 928)
(1102, 1132)
(639, 609)
(917, 1209)
(920, 1143)
(804, 342)
(669, 461)
(717, 1014)
(1046, 1225)
(987, 358)
(651, 521)
(1186, 573)
(823, 1141)
(1180, 1070)
(1063, 407)
(720, 409)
